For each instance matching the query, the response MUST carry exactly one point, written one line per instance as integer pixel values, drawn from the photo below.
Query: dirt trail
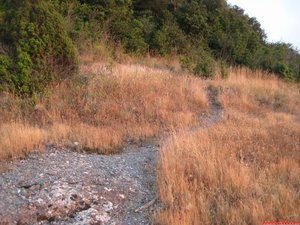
(63, 186)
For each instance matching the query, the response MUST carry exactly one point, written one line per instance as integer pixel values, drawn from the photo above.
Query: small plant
(284, 71)
(186, 63)
(224, 70)
(199, 63)
(205, 66)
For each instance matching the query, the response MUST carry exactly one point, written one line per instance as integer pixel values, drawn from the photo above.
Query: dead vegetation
(244, 169)
(101, 108)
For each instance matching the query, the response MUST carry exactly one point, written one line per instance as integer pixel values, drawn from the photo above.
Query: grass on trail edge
(101, 109)
(242, 170)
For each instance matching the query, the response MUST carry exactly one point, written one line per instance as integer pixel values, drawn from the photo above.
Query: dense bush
(283, 70)
(36, 48)
(205, 66)
(201, 63)
(130, 34)
(4, 71)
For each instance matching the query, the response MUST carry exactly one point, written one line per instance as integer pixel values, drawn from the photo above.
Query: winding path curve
(63, 186)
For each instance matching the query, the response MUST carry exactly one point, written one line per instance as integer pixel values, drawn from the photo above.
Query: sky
(279, 18)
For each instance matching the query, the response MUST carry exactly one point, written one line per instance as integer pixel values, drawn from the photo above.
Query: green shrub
(35, 39)
(130, 33)
(205, 66)
(200, 63)
(38, 46)
(4, 66)
(169, 39)
(284, 71)
(187, 63)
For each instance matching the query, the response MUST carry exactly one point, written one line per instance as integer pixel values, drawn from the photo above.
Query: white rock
(107, 189)
(40, 201)
(108, 206)
(103, 218)
(122, 196)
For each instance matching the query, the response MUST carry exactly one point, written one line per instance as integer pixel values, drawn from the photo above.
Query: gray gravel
(63, 186)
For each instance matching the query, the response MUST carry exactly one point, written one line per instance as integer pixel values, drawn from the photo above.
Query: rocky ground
(66, 186)
(63, 186)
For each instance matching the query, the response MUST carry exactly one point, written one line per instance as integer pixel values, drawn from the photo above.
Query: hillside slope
(232, 156)
(203, 35)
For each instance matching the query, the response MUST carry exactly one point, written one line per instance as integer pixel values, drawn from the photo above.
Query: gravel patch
(63, 186)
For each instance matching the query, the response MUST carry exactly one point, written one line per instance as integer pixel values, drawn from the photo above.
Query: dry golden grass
(14, 135)
(244, 169)
(256, 92)
(102, 108)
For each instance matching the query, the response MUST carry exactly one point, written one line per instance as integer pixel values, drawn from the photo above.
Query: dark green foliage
(169, 39)
(37, 49)
(4, 71)
(130, 33)
(283, 70)
(36, 46)
(200, 31)
(205, 67)
(201, 63)
(279, 58)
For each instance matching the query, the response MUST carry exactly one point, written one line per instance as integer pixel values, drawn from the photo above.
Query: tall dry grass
(258, 92)
(244, 169)
(14, 135)
(101, 108)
